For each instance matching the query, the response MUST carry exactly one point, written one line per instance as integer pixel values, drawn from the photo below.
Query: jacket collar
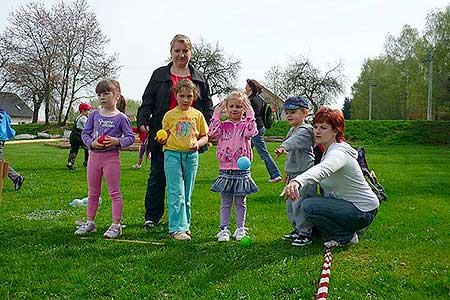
(165, 75)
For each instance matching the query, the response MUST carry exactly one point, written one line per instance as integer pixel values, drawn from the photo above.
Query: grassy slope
(404, 254)
(392, 132)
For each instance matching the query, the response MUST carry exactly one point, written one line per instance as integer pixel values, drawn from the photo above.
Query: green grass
(404, 254)
(387, 132)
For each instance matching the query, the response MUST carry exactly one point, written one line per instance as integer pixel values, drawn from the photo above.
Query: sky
(259, 33)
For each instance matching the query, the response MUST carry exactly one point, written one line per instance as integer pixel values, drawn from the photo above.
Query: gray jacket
(299, 145)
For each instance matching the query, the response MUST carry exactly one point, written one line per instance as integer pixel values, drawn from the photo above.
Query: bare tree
(300, 77)
(34, 62)
(220, 71)
(83, 60)
(59, 55)
(6, 55)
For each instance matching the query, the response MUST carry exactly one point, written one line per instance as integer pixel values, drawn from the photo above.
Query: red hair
(334, 117)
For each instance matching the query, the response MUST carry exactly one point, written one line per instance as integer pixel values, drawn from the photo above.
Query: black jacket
(257, 104)
(156, 98)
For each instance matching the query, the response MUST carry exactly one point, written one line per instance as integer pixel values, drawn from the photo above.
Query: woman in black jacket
(253, 89)
(158, 98)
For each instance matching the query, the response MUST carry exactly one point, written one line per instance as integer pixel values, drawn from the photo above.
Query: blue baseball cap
(295, 103)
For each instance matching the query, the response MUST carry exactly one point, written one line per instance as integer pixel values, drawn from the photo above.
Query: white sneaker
(354, 240)
(240, 233)
(224, 235)
(85, 228)
(136, 167)
(114, 231)
(180, 236)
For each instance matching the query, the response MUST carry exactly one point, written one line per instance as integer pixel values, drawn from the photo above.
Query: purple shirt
(233, 139)
(118, 126)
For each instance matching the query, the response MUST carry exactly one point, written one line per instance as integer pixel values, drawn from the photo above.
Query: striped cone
(322, 292)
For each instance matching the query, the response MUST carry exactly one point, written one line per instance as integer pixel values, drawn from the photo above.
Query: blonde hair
(188, 85)
(182, 39)
(236, 95)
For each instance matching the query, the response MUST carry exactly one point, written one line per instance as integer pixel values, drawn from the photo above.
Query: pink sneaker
(276, 179)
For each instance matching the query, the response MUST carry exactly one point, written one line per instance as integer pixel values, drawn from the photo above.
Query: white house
(15, 107)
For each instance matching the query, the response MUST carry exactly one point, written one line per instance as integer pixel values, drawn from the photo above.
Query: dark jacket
(257, 104)
(156, 98)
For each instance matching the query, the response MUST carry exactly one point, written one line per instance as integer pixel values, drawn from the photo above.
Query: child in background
(234, 136)
(298, 146)
(187, 130)
(106, 131)
(7, 133)
(142, 149)
(75, 137)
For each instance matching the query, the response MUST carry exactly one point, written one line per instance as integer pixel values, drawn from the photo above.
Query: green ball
(246, 241)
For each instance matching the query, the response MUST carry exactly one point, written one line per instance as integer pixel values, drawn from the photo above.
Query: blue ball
(243, 163)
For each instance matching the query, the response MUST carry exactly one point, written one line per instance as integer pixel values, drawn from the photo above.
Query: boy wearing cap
(75, 137)
(298, 147)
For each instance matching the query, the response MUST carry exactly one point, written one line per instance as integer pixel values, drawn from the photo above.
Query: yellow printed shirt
(184, 127)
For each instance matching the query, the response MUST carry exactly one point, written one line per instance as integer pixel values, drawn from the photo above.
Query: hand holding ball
(101, 139)
(243, 163)
(161, 134)
(246, 241)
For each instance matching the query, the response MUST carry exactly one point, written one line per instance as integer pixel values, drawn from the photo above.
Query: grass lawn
(404, 255)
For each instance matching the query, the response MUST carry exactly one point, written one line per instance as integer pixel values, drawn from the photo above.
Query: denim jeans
(260, 145)
(12, 174)
(180, 169)
(295, 214)
(337, 219)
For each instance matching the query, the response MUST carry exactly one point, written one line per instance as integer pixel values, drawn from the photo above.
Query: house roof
(275, 101)
(14, 106)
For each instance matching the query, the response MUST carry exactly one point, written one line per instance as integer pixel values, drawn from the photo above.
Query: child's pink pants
(105, 164)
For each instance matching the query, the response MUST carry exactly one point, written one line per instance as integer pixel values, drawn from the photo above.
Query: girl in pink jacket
(233, 135)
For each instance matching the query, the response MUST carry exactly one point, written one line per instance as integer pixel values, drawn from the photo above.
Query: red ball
(101, 139)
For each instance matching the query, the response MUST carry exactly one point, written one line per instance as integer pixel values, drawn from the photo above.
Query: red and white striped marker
(322, 292)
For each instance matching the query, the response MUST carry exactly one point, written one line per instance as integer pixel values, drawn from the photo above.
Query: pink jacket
(233, 139)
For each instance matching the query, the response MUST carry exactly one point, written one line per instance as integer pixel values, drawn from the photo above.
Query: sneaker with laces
(180, 236)
(240, 233)
(18, 183)
(353, 241)
(224, 235)
(301, 241)
(114, 231)
(149, 224)
(276, 179)
(86, 228)
(332, 243)
(70, 166)
(136, 167)
(291, 235)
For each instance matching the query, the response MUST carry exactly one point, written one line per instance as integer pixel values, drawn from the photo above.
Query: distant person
(187, 132)
(158, 98)
(233, 137)
(7, 133)
(143, 149)
(298, 147)
(348, 205)
(253, 89)
(106, 131)
(75, 136)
